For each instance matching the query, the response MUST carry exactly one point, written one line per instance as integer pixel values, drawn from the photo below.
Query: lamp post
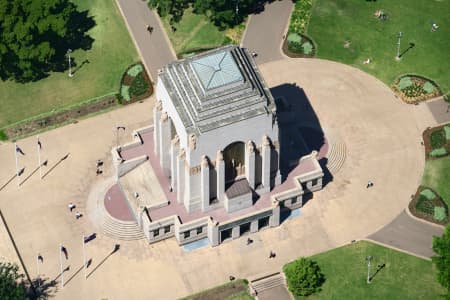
(368, 259)
(70, 62)
(237, 11)
(398, 46)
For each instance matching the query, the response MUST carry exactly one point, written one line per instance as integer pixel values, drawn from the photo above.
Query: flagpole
(39, 157)
(61, 263)
(38, 273)
(17, 164)
(84, 258)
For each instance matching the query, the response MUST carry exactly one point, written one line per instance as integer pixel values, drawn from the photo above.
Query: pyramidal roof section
(216, 88)
(216, 70)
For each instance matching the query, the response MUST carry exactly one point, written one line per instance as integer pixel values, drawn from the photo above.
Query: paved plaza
(382, 138)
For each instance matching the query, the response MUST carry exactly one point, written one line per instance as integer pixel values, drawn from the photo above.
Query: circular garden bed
(426, 204)
(414, 88)
(135, 84)
(298, 45)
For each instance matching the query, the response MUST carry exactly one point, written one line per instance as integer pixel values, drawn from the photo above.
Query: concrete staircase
(120, 230)
(265, 283)
(336, 154)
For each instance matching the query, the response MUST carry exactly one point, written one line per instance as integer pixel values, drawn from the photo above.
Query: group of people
(77, 213)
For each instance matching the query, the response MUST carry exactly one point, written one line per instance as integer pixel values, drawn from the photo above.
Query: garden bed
(298, 45)
(437, 141)
(427, 204)
(66, 115)
(414, 88)
(135, 85)
(234, 290)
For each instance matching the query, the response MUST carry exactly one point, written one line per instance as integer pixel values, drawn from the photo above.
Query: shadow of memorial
(300, 131)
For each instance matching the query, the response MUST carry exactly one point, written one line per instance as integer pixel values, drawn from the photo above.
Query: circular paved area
(382, 139)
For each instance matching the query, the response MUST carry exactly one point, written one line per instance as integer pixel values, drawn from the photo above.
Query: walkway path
(264, 33)
(408, 234)
(154, 48)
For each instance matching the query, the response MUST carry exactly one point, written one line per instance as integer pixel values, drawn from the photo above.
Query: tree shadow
(300, 131)
(44, 288)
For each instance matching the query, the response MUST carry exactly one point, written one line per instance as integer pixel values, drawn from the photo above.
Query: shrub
(134, 70)
(300, 16)
(294, 38)
(425, 205)
(295, 47)
(438, 152)
(439, 213)
(138, 86)
(437, 139)
(125, 92)
(307, 48)
(447, 132)
(405, 82)
(303, 277)
(428, 87)
(429, 194)
(3, 136)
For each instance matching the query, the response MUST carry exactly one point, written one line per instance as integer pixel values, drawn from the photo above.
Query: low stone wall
(128, 165)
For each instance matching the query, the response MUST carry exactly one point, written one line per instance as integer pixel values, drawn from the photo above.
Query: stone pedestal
(250, 164)
(174, 149)
(164, 143)
(180, 175)
(220, 170)
(265, 170)
(204, 184)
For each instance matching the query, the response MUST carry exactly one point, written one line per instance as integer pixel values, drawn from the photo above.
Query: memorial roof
(216, 88)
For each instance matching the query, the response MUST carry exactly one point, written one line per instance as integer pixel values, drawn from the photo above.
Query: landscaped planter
(298, 45)
(437, 141)
(135, 85)
(426, 204)
(414, 88)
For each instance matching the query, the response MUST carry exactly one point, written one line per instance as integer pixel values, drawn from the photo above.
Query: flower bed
(135, 85)
(413, 88)
(437, 141)
(426, 204)
(298, 45)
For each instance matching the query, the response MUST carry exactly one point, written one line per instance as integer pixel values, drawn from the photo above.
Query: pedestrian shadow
(116, 248)
(55, 165)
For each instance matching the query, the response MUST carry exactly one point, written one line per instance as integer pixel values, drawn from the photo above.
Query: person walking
(71, 206)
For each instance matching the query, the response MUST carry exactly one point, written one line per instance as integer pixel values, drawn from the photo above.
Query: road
(264, 33)
(408, 234)
(155, 48)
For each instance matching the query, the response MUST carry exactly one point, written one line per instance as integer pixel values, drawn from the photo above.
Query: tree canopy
(303, 277)
(10, 288)
(441, 245)
(223, 13)
(36, 34)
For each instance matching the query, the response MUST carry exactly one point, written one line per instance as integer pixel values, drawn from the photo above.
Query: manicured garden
(97, 71)
(402, 277)
(235, 290)
(432, 199)
(364, 34)
(195, 33)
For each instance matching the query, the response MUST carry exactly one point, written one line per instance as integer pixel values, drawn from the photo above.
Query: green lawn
(404, 276)
(111, 53)
(235, 290)
(334, 22)
(196, 31)
(437, 176)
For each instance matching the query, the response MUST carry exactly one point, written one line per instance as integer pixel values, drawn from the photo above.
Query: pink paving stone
(116, 204)
(219, 214)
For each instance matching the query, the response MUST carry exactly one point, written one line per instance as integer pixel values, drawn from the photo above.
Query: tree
(303, 277)
(10, 288)
(36, 34)
(441, 246)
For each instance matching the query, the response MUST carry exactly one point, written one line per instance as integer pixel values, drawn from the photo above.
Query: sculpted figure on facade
(192, 141)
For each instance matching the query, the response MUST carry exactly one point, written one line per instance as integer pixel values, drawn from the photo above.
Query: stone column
(235, 232)
(265, 170)
(164, 143)
(275, 217)
(250, 164)
(156, 117)
(180, 175)
(204, 185)
(220, 171)
(174, 146)
(254, 226)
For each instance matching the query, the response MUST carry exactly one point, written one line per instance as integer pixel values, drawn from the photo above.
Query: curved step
(267, 283)
(336, 155)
